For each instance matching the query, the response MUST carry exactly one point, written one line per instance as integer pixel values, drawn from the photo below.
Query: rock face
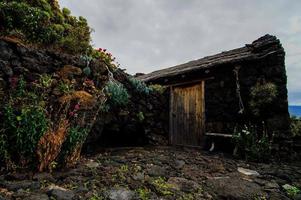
(51, 85)
(72, 100)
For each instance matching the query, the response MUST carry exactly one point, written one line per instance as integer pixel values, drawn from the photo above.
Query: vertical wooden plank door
(187, 107)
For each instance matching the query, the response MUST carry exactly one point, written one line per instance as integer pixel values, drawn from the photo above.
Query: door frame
(171, 100)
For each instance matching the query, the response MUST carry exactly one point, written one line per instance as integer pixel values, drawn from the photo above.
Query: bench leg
(235, 150)
(212, 147)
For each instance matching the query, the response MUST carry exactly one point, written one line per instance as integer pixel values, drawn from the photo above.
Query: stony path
(155, 173)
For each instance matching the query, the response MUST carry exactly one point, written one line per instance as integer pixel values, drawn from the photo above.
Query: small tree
(262, 95)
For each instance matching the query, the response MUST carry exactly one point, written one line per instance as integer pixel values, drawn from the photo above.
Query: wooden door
(187, 107)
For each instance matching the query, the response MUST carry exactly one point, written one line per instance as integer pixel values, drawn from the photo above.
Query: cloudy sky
(146, 35)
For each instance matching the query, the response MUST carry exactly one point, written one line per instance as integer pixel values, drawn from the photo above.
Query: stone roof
(260, 48)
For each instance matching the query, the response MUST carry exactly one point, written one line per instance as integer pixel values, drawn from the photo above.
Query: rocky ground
(156, 173)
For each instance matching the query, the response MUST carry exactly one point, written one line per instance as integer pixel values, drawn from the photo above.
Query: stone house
(210, 96)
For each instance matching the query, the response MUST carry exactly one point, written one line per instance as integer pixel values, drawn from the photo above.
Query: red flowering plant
(104, 55)
(76, 108)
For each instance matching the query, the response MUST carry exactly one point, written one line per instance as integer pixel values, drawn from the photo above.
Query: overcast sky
(146, 35)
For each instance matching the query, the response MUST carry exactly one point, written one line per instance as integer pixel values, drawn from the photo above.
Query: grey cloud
(147, 35)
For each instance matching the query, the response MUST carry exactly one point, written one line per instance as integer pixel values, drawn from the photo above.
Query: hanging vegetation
(262, 95)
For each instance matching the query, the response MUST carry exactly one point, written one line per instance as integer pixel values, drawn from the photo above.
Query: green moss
(161, 186)
(97, 197)
(157, 88)
(144, 193)
(121, 175)
(187, 196)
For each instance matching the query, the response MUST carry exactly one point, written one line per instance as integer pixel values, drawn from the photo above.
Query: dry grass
(73, 157)
(50, 145)
(68, 71)
(86, 100)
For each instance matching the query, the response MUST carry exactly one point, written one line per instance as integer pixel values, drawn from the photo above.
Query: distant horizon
(294, 110)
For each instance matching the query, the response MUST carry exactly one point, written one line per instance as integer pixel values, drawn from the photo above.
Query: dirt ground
(156, 173)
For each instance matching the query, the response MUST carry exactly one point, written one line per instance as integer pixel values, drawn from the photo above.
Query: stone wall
(222, 102)
(143, 121)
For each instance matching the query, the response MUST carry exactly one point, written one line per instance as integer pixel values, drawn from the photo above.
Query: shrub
(77, 40)
(139, 86)
(24, 123)
(76, 136)
(23, 129)
(21, 87)
(251, 144)
(104, 55)
(32, 22)
(262, 95)
(140, 116)
(4, 155)
(66, 12)
(46, 80)
(291, 191)
(296, 126)
(42, 22)
(65, 88)
(117, 94)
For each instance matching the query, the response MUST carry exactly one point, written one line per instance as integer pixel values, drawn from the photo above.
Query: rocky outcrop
(52, 89)
(51, 100)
